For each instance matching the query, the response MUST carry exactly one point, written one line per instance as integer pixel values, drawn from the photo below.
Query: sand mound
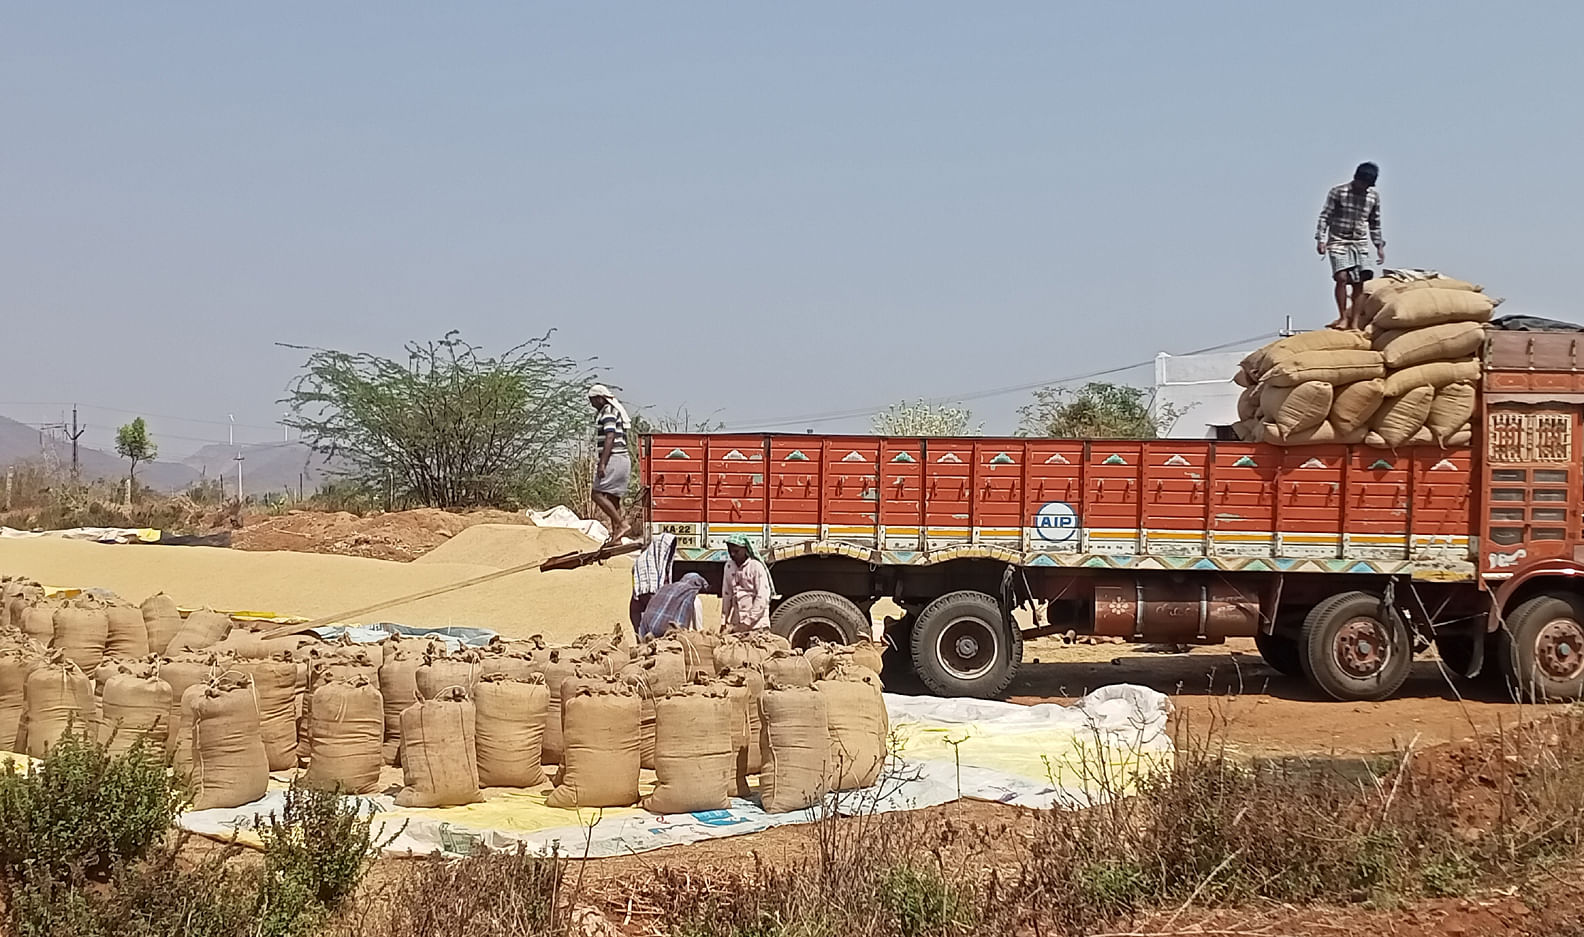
(505, 545)
(400, 535)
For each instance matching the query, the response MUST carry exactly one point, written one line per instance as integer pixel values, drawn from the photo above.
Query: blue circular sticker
(1056, 522)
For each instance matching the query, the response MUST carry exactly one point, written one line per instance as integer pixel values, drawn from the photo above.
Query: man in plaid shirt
(1349, 223)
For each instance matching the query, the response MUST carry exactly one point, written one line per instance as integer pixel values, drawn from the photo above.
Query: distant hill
(20, 443)
(265, 466)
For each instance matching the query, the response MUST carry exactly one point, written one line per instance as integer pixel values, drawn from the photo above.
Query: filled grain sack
(698, 649)
(695, 761)
(743, 689)
(137, 707)
(795, 739)
(1436, 374)
(1399, 418)
(1324, 434)
(346, 736)
(183, 672)
(1354, 404)
(438, 765)
(202, 629)
(81, 630)
(510, 662)
(1461, 437)
(869, 654)
(1375, 293)
(440, 672)
(824, 658)
(15, 665)
(509, 730)
(1451, 411)
(1295, 409)
(1263, 359)
(1248, 403)
(788, 668)
(559, 669)
(858, 727)
(733, 652)
(1448, 342)
(1417, 308)
(275, 686)
(38, 622)
(599, 722)
(1330, 367)
(398, 685)
(162, 619)
(58, 696)
(656, 673)
(128, 636)
(230, 767)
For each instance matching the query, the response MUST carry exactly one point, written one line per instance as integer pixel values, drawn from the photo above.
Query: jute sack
(440, 672)
(788, 668)
(698, 649)
(275, 686)
(1378, 291)
(1448, 342)
(1354, 404)
(128, 636)
(1325, 433)
(328, 662)
(510, 730)
(824, 658)
(1331, 367)
(513, 663)
(869, 654)
(137, 704)
(230, 767)
(183, 672)
(1296, 409)
(346, 736)
(162, 619)
(561, 668)
(858, 727)
(1399, 418)
(38, 622)
(398, 685)
(1263, 359)
(1436, 374)
(1242, 378)
(1460, 437)
(1248, 403)
(15, 665)
(58, 696)
(795, 739)
(1412, 309)
(652, 676)
(82, 629)
(743, 689)
(202, 629)
(438, 766)
(1451, 411)
(600, 726)
(695, 761)
(734, 652)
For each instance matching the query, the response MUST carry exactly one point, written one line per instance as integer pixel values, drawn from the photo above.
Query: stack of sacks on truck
(1408, 378)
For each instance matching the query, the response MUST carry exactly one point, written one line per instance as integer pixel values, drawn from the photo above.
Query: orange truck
(1341, 561)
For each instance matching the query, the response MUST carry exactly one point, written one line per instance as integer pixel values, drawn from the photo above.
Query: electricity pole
(76, 433)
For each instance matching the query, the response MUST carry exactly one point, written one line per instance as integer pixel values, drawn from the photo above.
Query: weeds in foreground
(500, 894)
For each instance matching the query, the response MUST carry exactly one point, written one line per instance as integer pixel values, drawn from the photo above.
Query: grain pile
(1408, 377)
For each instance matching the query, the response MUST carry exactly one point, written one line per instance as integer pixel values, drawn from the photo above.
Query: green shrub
(79, 812)
(921, 902)
(315, 852)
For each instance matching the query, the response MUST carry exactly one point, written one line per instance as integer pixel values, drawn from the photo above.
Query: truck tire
(962, 646)
(1280, 652)
(1541, 649)
(819, 616)
(1352, 650)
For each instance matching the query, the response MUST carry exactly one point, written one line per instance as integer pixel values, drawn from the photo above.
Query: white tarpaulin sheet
(96, 534)
(1033, 756)
(563, 516)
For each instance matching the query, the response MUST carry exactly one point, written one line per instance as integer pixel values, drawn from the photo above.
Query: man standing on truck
(614, 469)
(746, 589)
(1349, 222)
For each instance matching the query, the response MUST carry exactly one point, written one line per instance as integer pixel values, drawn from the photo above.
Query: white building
(1200, 387)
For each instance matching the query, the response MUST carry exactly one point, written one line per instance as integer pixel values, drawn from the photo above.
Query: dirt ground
(400, 536)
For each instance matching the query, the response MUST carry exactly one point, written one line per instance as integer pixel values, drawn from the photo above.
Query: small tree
(134, 445)
(924, 419)
(1097, 410)
(449, 426)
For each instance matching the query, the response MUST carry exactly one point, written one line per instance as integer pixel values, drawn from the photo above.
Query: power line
(829, 416)
(142, 413)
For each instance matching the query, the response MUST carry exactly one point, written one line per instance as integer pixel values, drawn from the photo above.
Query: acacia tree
(450, 427)
(924, 419)
(132, 443)
(1097, 410)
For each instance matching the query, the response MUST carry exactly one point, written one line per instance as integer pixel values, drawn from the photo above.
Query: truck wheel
(1352, 650)
(1542, 649)
(819, 616)
(1281, 652)
(962, 646)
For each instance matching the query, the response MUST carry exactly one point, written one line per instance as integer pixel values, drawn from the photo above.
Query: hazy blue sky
(770, 211)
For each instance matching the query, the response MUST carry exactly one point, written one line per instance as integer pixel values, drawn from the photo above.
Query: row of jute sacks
(1408, 377)
(343, 711)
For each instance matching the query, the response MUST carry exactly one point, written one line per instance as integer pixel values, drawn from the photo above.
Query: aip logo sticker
(1056, 522)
